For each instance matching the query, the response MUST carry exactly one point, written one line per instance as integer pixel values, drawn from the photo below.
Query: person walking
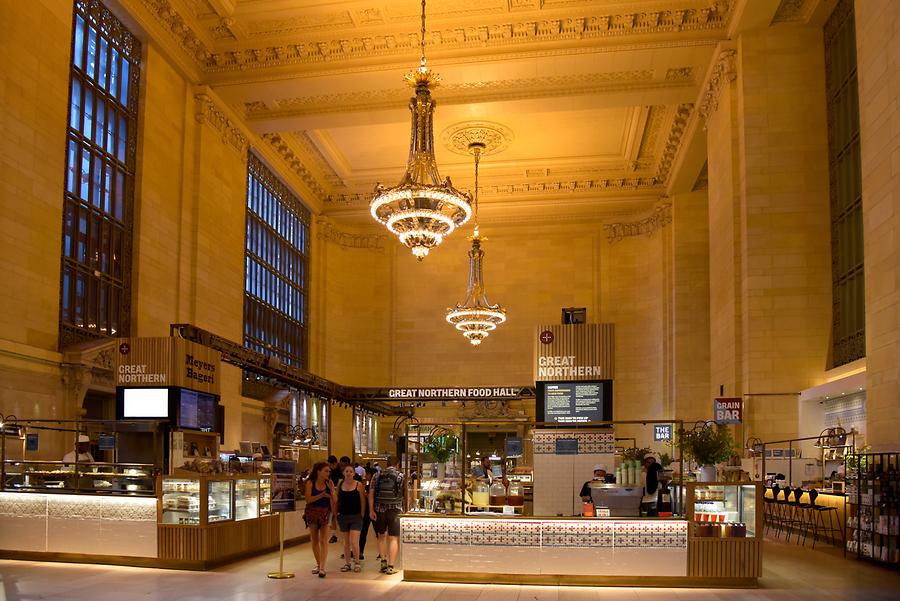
(351, 502)
(320, 511)
(385, 506)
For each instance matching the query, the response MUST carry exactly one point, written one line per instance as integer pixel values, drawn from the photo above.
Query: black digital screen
(575, 403)
(197, 411)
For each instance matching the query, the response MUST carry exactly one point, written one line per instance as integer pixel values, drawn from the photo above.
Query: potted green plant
(635, 454)
(440, 446)
(707, 444)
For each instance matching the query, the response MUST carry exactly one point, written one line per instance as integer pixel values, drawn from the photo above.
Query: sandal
(315, 570)
(346, 567)
(321, 573)
(356, 567)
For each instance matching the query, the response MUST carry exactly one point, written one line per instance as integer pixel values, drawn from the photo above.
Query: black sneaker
(384, 566)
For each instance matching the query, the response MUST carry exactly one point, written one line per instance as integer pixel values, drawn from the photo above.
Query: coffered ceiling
(586, 100)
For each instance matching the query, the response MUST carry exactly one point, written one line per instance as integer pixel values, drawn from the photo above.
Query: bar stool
(771, 515)
(818, 514)
(792, 519)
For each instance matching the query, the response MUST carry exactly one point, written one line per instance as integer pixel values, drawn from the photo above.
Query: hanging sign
(728, 410)
(662, 432)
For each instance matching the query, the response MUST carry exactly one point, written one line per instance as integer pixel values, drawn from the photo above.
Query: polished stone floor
(790, 574)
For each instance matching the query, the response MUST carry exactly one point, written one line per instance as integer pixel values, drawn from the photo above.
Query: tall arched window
(101, 142)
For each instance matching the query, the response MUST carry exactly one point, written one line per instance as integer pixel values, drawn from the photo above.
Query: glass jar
(498, 493)
(481, 495)
(516, 494)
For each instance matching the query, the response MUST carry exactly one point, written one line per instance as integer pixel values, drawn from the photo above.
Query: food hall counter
(590, 551)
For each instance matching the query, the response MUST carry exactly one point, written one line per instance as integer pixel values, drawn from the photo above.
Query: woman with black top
(350, 506)
(320, 510)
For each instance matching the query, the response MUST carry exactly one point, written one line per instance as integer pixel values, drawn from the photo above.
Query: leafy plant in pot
(440, 446)
(707, 445)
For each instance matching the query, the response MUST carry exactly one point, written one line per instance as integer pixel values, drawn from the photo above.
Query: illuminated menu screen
(574, 402)
(197, 411)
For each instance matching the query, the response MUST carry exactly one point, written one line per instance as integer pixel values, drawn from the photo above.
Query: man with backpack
(385, 506)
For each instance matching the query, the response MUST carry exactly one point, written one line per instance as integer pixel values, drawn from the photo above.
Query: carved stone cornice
(209, 113)
(673, 142)
(794, 11)
(296, 164)
(513, 34)
(661, 217)
(724, 72)
(179, 29)
(327, 231)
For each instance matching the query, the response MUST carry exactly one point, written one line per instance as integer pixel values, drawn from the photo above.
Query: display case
(246, 498)
(435, 486)
(219, 500)
(873, 507)
(723, 510)
(133, 479)
(265, 495)
(180, 501)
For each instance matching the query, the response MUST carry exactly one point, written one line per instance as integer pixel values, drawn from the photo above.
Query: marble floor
(790, 574)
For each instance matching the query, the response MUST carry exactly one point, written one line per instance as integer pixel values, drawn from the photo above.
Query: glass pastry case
(246, 498)
(724, 510)
(133, 479)
(180, 501)
(218, 500)
(265, 495)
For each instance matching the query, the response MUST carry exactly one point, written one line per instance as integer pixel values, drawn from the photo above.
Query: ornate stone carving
(794, 11)
(724, 72)
(647, 149)
(494, 136)
(327, 231)
(673, 142)
(661, 217)
(680, 74)
(208, 113)
(179, 29)
(295, 164)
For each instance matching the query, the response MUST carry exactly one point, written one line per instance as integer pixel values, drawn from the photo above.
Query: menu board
(197, 411)
(284, 485)
(575, 402)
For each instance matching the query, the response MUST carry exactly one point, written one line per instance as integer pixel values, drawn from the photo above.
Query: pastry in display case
(265, 495)
(55, 476)
(724, 510)
(246, 499)
(219, 501)
(180, 501)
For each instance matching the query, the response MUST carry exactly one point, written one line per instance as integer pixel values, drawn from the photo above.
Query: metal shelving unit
(873, 502)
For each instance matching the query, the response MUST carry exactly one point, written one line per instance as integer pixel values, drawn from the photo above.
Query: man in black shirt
(600, 475)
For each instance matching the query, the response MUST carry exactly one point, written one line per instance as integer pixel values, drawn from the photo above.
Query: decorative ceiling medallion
(495, 137)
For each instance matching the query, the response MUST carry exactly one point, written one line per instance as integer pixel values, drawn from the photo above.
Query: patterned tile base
(600, 547)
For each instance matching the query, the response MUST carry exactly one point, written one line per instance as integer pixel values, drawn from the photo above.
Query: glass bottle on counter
(481, 495)
(498, 493)
(516, 494)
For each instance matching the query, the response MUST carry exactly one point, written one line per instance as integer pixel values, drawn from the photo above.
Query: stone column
(878, 67)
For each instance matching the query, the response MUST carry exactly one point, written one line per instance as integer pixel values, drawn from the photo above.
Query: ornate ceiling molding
(661, 217)
(495, 137)
(794, 11)
(724, 72)
(208, 113)
(296, 164)
(673, 142)
(328, 232)
(464, 93)
(513, 34)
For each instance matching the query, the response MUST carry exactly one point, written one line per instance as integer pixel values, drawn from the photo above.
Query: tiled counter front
(537, 547)
(78, 524)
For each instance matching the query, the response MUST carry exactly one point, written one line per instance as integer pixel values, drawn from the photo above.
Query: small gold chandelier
(476, 317)
(421, 210)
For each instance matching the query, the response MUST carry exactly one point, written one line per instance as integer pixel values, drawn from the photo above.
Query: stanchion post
(281, 574)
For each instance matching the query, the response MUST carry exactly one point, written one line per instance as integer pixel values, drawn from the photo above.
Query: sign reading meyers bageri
(163, 362)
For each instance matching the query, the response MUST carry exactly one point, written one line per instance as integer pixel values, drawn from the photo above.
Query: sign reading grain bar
(578, 352)
(165, 362)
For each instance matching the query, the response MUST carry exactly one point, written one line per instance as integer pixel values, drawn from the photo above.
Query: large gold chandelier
(421, 210)
(476, 317)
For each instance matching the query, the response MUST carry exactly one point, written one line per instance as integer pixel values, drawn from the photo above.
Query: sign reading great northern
(574, 352)
(164, 362)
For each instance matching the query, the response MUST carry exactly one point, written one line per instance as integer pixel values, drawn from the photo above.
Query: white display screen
(145, 402)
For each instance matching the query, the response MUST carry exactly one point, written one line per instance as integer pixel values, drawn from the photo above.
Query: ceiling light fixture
(421, 210)
(476, 317)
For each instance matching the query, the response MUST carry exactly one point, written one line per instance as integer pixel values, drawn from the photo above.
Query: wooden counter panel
(217, 542)
(725, 558)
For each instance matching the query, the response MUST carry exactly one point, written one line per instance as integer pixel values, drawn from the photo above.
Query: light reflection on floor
(791, 573)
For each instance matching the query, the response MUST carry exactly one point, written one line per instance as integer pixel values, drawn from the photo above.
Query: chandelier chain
(423, 33)
(477, 159)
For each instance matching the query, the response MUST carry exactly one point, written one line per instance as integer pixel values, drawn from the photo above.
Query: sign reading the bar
(454, 393)
(662, 432)
(728, 410)
(574, 352)
(164, 362)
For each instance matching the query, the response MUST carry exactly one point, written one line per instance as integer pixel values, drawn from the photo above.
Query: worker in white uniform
(81, 452)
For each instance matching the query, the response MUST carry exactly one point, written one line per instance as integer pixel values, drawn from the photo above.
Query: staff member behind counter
(82, 449)
(600, 475)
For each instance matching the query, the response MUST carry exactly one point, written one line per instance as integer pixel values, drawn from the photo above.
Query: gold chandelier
(421, 210)
(476, 317)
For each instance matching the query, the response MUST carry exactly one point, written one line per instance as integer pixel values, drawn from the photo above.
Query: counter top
(575, 518)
